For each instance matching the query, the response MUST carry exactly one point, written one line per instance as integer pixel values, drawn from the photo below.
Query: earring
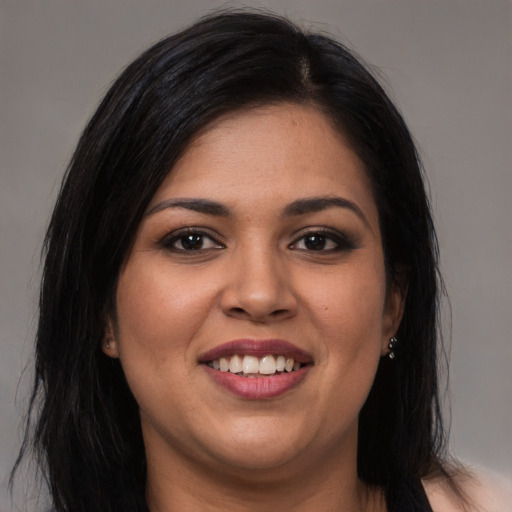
(107, 344)
(392, 343)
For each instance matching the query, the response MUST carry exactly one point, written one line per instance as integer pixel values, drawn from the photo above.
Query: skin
(256, 275)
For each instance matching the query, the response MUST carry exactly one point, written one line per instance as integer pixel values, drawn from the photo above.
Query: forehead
(269, 155)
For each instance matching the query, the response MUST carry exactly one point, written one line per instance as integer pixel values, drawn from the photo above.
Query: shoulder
(481, 490)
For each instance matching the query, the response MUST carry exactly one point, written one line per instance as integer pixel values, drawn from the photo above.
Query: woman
(239, 302)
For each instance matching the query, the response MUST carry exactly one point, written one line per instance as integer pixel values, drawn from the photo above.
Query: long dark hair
(87, 432)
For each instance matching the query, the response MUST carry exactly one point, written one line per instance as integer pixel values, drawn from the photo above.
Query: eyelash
(342, 241)
(169, 241)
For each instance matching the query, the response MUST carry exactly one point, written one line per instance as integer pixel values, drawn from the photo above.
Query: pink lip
(257, 388)
(258, 348)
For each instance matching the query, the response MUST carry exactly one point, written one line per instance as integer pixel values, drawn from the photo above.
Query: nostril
(257, 305)
(279, 312)
(254, 316)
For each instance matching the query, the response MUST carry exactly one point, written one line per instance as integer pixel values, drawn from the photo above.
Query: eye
(190, 241)
(316, 242)
(322, 241)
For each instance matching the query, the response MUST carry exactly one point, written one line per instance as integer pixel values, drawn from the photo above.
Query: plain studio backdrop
(448, 66)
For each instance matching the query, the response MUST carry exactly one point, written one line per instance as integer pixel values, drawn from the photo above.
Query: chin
(259, 463)
(257, 445)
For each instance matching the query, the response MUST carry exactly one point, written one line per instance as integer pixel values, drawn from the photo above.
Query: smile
(252, 366)
(256, 369)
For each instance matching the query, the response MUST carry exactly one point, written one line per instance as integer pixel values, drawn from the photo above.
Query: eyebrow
(317, 204)
(198, 205)
(298, 207)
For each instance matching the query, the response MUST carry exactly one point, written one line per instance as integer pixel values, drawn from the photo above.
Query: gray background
(448, 65)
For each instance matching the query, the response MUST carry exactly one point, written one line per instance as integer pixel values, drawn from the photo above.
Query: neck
(176, 483)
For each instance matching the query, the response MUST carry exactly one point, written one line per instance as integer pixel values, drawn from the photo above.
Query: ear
(109, 344)
(393, 312)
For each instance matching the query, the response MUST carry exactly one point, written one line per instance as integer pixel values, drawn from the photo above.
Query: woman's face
(263, 241)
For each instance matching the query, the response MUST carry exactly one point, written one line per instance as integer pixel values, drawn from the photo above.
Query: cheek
(159, 312)
(347, 310)
(353, 336)
(349, 307)
(352, 327)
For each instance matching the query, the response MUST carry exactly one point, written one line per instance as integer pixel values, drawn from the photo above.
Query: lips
(276, 366)
(257, 348)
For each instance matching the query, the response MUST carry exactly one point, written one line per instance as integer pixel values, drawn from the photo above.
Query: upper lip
(258, 348)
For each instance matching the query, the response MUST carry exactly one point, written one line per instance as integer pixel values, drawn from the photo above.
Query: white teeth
(250, 364)
(223, 364)
(267, 365)
(235, 364)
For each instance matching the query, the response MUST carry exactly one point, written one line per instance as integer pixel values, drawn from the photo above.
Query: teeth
(223, 364)
(267, 365)
(251, 366)
(235, 364)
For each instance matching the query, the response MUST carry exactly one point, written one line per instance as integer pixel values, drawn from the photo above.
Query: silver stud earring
(392, 343)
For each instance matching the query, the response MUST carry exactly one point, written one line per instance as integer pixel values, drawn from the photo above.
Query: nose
(259, 288)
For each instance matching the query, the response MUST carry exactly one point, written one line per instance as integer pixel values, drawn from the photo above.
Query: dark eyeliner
(170, 239)
(343, 241)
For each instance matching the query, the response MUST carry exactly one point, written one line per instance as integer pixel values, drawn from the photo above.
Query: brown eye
(315, 242)
(323, 240)
(190, 241)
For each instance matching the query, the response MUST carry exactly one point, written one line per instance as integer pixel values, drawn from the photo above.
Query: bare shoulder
(482, 490)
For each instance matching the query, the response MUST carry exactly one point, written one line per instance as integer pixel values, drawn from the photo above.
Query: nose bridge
(259, 287)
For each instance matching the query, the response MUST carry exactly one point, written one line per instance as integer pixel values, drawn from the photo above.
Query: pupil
(192, 242)
(315, 242)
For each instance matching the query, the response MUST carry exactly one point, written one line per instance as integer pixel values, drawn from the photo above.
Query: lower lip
(257, 388)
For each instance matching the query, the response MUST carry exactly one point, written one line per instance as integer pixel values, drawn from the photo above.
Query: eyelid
(343, 240)
(169, 239)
